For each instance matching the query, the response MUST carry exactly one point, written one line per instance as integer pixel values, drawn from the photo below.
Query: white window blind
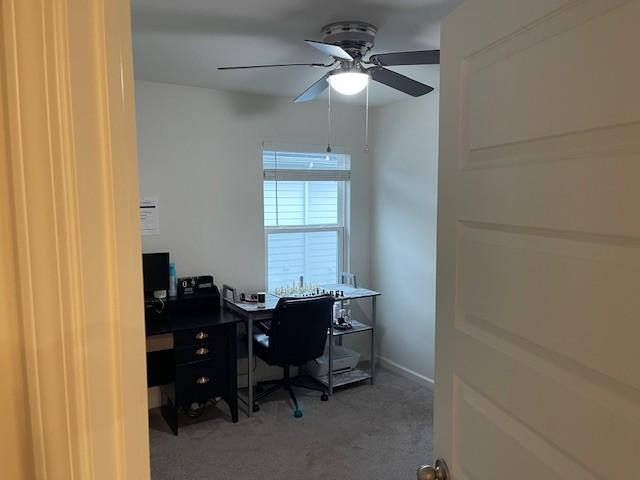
(306, 166)
(304, 205)
(311, 254)
(298, 203)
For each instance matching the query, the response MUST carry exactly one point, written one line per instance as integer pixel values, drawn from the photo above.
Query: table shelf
(357, 328)
(345, 378)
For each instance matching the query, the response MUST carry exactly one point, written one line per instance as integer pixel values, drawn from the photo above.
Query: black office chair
(296, 335)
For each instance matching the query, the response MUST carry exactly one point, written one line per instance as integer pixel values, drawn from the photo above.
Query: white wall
(403, 232)
(199, 151)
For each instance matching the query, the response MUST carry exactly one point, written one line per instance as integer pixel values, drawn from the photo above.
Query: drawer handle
(202, 335)
(202, 351)
(202, 380)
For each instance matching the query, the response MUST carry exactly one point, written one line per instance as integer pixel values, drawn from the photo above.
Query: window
(305, 198)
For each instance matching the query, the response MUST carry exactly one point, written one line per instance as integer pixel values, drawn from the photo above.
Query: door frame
(71, 277)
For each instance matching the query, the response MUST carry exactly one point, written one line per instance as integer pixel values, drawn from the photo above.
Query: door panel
(537, 348)
(493, 444)
(581, 92)
(526, 285)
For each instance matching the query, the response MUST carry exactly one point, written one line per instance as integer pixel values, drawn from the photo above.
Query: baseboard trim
(406, 372)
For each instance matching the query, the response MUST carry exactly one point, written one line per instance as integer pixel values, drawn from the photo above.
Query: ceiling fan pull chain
(366, 121)
(329, 126)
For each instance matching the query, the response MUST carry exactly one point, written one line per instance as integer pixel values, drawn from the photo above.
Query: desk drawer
(199, 352)
(197, 382)
(196, 336)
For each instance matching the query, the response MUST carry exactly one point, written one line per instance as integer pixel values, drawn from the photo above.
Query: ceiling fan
(349, 43)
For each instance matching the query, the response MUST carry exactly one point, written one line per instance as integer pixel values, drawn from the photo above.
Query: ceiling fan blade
(314, 90)
(421, 57)
(399, 82)
(276, 65)
(331, 50)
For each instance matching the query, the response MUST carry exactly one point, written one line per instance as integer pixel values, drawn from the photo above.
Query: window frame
(343, 179)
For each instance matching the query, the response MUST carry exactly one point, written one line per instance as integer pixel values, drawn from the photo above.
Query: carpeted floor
(379, 432)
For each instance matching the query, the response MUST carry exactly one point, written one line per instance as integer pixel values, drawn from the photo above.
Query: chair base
(286, 383)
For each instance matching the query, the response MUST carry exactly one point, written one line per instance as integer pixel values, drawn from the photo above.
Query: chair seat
(296, 333)
(262, 339)
(261, 347)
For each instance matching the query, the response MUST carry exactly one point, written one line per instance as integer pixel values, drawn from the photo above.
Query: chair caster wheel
(297, 413)
(324, 397)
(256, 407)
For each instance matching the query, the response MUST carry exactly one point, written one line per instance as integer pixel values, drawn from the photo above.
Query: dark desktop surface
(184, 313)
(186, 321)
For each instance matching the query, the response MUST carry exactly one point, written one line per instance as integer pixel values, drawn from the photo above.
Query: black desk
(191, 354)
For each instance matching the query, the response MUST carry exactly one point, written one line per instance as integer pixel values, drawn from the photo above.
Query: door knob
(439, 472)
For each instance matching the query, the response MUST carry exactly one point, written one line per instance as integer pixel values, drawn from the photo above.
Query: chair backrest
(298, 331)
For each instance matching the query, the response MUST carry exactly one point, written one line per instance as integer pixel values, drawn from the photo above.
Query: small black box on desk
(205, 284)
(201, 285)
(209, 302)
(187, 286)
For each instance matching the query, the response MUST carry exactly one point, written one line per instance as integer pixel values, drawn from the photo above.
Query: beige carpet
(379, 432)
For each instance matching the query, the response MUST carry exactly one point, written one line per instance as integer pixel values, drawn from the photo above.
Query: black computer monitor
(155, 270)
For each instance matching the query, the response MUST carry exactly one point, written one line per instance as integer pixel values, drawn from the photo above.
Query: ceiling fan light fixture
(349, 44)
(349, 82)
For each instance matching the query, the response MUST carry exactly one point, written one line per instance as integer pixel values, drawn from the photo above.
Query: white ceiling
(183, 42)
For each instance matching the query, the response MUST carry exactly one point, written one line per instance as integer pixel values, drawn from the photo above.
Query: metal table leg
(373, 340)
(330, 377)
(340, 337)
(250, 365)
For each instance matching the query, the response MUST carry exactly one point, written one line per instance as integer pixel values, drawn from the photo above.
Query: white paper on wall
(149, 216)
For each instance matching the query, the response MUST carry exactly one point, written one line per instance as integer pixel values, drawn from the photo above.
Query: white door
(538, 298)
